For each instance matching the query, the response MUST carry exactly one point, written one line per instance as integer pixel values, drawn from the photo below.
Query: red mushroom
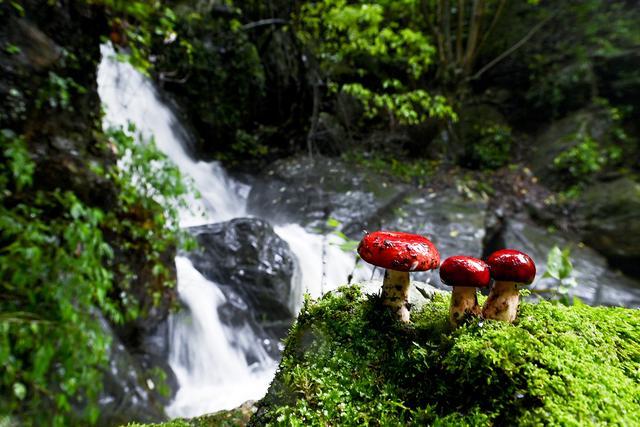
(509, 268)
(399, 253)
(464, 274)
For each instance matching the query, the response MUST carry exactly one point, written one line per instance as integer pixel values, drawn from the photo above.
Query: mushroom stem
(395, 293)
(464, 303)
(502, 303)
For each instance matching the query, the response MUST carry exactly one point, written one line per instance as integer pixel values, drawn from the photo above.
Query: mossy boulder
(347, 363)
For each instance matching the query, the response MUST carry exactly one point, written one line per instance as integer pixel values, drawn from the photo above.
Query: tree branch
(513, 48)
(264, 22)
(494, 22)
(446, 23)
(474, 32)
(459, 31)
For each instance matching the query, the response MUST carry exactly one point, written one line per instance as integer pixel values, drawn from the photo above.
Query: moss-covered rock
(232, 418)
(347, 363)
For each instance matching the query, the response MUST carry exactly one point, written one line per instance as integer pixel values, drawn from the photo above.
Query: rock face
(608, 219)
(251, 264)
(310, 191)
(131, 389)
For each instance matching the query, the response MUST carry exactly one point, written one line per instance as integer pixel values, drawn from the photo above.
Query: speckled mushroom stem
(395, 293)
(464, 303)
(502, 303)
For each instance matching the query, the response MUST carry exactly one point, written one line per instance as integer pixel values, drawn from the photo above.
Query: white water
(208, 357)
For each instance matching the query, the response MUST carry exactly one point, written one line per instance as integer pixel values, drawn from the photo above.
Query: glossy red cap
(509, 265)
(465, 271)
(399, 251)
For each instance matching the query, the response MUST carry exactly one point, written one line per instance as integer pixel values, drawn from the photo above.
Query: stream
(210, 359)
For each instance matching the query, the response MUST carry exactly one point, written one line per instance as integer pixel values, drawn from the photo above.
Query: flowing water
(208, 357)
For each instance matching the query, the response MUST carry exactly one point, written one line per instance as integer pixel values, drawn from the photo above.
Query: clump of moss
(231, 418)
(346, 362)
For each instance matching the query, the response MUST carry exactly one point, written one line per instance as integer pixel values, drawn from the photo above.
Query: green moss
(347, 363)
(232, 418)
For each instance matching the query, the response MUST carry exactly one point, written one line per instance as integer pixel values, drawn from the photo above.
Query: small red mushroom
(464, 274)
(509, 268)
(399, 253)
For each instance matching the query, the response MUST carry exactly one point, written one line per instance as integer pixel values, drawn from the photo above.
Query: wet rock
(37, 50)
(453, 222)
(309, 191)
(253, 267)
(130, 391)
(608, 219)
(562, 135)
(598, 284)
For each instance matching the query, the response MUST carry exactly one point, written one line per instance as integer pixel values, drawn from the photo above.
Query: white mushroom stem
(464, 303)
(502, 303)
(395, 293)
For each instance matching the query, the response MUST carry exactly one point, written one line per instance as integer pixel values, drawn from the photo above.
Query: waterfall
(208, 357)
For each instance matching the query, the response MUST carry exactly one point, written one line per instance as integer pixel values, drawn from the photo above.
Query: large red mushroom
(509, 268)
(464, 274)
(399, 253)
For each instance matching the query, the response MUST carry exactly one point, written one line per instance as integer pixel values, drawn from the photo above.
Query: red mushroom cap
(399, 251)
(465, 271)
(509, 265)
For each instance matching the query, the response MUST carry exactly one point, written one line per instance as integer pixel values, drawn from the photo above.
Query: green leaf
(19, 390)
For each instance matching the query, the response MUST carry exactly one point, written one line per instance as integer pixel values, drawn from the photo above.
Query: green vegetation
(375, 52)
(560, 268)
(58, 277)
(590, 155)
(135, 25)
(346, 362)
(411, 171)
(492, 148)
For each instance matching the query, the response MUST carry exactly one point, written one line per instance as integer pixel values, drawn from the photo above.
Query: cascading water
(208, 357)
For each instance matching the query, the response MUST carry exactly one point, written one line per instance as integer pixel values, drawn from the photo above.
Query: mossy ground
(346, 362)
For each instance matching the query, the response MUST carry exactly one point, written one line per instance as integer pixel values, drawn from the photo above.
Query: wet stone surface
(310, 191)
(253, 267)
(598, 283)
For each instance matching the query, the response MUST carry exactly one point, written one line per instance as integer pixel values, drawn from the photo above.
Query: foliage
(347, 363)
(589, 156)
(492, 148)
(52, 278)
(135, 25)
(562, 64)
(376, 52)
(57, 92)
(345, 243)
(145, 219)
(560, 268)
(216, 71)
(56, 281)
